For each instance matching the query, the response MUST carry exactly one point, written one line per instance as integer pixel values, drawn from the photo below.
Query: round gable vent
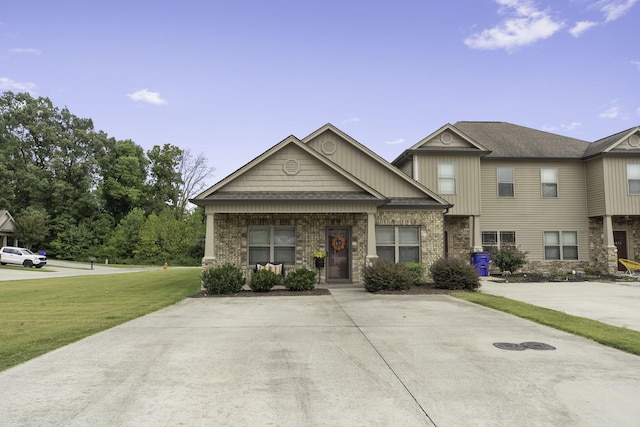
(634, 140)
(328, 147)
(446, 138)
(291, 167)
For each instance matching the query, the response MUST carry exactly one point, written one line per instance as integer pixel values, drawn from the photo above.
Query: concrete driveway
(617, 304)
(349, 359)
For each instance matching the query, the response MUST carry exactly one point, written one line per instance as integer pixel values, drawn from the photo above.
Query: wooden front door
(620, 240)
(339, 254)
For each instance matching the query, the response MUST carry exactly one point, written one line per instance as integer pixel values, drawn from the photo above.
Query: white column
(371, 238)
(209, 246)
(607, 231)
(476, 235)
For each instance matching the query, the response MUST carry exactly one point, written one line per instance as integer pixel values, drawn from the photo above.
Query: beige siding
(596, 196)
(407, 169)
(528, 213)
(619, 202)
(289, 207)
(466, 201)
(364, 167)
(270, 175)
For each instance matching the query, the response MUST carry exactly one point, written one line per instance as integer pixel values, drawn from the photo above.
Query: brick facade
(231, 236)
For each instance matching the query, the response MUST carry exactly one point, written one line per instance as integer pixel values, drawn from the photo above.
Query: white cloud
(352, 120)
(26, 50)
(636, 63)
(564, 127)
(581, 27)
(525, 24)
(613, 111)
(8, 84)
(145, 95)
(395, 141)
(614, 9)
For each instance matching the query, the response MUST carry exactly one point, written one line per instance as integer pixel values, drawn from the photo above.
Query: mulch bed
(415, 290)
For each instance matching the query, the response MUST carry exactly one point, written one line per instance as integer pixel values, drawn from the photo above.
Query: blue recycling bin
(480, 260)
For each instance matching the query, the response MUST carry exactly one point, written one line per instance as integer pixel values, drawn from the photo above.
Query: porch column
(209, 246)
(607, 231)
(371, 238)
(476, 235)
(611, 251)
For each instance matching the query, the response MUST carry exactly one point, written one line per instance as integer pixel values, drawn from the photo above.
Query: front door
(339, 254)
(620, 240)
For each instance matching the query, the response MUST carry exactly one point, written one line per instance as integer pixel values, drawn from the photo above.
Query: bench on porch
(277, 268)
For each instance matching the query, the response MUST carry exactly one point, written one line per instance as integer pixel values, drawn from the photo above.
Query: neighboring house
(468, 187)
(325, 192)
(7, 228)
(568, 203)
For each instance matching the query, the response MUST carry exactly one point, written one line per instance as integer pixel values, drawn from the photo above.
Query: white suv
(21, 256)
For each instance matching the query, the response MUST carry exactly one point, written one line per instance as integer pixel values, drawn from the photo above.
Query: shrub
(417, 272)
(225, 279)
(385, 275)
(301, 279)
(264, 280)
(509, 258)
(452, 273)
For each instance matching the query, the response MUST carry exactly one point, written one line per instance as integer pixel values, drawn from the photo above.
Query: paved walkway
(348, 359)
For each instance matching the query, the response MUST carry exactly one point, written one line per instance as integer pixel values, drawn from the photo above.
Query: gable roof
(608, 143)
(7, 223)
(506, 140)
(385, 165)
(363, 191)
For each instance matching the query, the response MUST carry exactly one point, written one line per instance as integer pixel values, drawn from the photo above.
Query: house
(325, 192)
(467, 187)
(7, 228)
(570, 204)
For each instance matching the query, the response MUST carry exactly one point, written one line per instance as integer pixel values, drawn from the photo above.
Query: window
(272, 244)
(490, 240)
(549, 180)
(398, 243)
(446, 178)
(633, 178)
(560, 245)
(505, 182)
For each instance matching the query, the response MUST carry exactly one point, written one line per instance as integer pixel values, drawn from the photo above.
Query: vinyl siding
(596, 196)
(289, 207)
(270, 175)
(619, 202)
(528, 213)
(466, 201)
(364, 167)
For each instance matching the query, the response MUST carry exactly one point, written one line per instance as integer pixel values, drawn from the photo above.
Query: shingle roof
(506, 140)
(288, 196)
(604, 143)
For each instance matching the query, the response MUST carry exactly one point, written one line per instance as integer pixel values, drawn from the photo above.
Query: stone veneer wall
(459, 231)
(431, 231)
(231, 236)
(631, 225)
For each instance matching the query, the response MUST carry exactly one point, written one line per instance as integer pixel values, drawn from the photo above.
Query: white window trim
(561, 245)
(629, 179)
(447, 178)
(396, 239)
(512, 182)
(542, 182)
(272, 244)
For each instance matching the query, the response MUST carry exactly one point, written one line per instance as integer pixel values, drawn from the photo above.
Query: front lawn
(621, 338)
(40, 315)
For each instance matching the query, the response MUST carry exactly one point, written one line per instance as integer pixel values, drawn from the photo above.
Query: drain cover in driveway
(538, 346)
(509, 346)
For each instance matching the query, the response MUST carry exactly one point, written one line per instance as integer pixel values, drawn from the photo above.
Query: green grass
(37, 316)
(621, 338)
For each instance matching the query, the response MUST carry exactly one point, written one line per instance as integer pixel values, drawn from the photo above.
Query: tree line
(77, 193)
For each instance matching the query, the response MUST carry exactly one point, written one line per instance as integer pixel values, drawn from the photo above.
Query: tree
(123, 173)
(164, 177)
(32, 227)
(194, 172)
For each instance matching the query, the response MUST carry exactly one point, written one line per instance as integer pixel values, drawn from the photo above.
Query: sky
(229, 79)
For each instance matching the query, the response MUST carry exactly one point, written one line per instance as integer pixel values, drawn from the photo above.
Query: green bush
(417, 272)
(300, 279)
(509, 258)
(385, 275)
(264, 280)
(225, 279)
(452, 273)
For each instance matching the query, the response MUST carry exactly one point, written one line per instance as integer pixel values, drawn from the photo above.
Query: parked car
(21, 256)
